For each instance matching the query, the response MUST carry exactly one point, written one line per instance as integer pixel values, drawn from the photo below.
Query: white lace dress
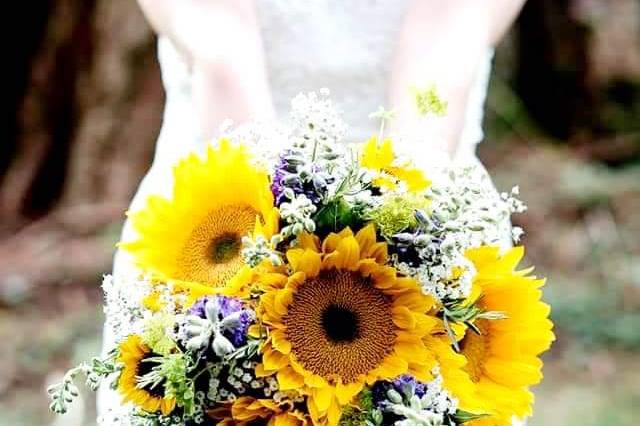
(344, 46)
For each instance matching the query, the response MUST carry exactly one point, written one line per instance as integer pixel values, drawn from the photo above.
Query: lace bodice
(344, 46)
(348, 48)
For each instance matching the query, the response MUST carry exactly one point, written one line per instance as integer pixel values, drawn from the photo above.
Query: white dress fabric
(344, 46)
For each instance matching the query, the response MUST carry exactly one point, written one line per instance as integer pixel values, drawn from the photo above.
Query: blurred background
(84, 103)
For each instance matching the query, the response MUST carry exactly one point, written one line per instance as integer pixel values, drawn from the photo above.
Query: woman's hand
(221, 42)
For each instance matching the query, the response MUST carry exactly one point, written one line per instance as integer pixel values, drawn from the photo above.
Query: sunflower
(380, 158)
(247, 410)
(133, 353)
(503, 360)
(196, 236)
(342, 319)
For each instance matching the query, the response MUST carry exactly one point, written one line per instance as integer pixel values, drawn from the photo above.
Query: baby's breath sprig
(62, 394)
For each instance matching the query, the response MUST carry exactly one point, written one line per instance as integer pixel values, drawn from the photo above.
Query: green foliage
(359, 414)
(397, 214)
(596, 320)
(156, 334)
(466, 314)
(462, 416)
(171, 371)
(335, 216)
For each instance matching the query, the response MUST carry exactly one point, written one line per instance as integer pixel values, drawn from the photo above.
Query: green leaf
(462, 416)
(335, 216)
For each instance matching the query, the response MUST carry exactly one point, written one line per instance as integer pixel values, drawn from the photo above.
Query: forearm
(221, 42)
(229, 71)
(442, 43)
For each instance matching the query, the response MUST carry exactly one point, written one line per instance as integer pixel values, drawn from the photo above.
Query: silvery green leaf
(376, 416)
(309, 225)
(394, 396)
(232, 321)
(221, 345)
(197, 342)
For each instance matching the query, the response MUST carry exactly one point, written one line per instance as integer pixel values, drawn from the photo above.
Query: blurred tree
(552, 72)
(85, 104)
(577, 71)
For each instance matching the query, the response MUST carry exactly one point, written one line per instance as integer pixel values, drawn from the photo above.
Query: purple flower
(405, 385)
(226, 307)
(286, 176)
(408, 385)
(283, 169)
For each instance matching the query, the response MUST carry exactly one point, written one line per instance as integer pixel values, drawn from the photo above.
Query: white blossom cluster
(120, 415)
(266, 139)
(297, 215)
(125, 313)
(256, 250)
(316, 119)
(239, 381)
(126, 415)
(318, 131)
(466, 212)
(123, 308)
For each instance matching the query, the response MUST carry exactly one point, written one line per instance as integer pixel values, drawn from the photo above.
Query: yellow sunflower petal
(288, 379)
(304, 260)
(346, 392)
(322, 397)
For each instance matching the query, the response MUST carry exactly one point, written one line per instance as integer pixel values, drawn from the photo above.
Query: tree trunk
(88, 101)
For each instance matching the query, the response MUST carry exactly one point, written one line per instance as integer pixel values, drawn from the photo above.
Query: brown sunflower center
(474, 347)
(212, 251)
(340, 325)
(225, 248)
(144, 367)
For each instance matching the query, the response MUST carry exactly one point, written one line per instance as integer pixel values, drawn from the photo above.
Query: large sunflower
(503, 360)
(341, 320)
(196, 235)
(133, 354)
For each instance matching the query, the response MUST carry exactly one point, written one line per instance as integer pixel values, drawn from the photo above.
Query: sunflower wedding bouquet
(323, 284)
